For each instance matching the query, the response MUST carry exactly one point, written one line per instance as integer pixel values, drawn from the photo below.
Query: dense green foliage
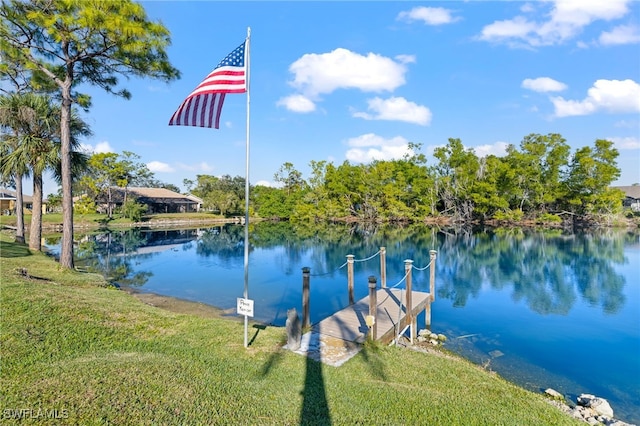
(85, 354)
(539, 181)
(133, 210)
(224, 195)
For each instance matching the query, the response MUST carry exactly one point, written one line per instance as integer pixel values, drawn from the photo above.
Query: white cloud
(565, 21)
(369, 147)
(264, 183)
(159, 167)
(630, 142)
(406, 59)
(198, 167)
(627, 124)
(428, 15)
(316, 74)
(396, 109)
(583, 12)
(527, 7)
(297, 103)
(516, 28)
(617, 96)
(498, 149)
(543, 84)
(100, 148)
(622, 34)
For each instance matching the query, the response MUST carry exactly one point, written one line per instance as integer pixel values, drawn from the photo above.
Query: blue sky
(358, 81)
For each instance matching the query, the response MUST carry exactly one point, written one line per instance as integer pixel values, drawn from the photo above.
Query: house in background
(631, 196)
(157, 200)
(8, 202)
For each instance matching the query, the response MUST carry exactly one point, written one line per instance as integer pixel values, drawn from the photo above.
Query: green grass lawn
(73, 348)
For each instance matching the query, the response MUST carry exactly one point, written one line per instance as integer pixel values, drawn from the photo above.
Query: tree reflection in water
(546, 269)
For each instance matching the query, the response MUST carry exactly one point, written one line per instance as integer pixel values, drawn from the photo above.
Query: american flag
(203, 106)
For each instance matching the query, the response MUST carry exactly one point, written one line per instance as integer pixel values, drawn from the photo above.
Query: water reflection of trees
(226, 241)
(117, 254)
(546, 269)
(326, 247)
(109, 254)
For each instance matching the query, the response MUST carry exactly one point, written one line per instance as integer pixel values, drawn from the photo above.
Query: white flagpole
(246, 194)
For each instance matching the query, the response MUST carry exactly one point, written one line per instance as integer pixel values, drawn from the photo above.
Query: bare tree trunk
(19, 209)
(109, 205)
(35, 233)
(66, 252)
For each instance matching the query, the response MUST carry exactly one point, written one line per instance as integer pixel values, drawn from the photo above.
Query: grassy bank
(74, 349)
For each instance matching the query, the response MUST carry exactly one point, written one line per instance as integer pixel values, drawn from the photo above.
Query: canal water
(543, 308)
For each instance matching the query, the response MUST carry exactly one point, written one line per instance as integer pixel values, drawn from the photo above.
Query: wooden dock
(349, 324)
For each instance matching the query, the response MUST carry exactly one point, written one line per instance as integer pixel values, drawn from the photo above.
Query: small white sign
(245, 307)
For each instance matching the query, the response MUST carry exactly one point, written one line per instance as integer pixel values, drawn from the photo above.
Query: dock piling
(383, 267)
(373, 308)
(306, 272)
(432, 274)
(411, 320)
(350, 277)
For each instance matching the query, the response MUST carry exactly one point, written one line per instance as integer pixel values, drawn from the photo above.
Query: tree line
(539, 180)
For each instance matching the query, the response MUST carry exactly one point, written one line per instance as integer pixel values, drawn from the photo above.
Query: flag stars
(234, 59)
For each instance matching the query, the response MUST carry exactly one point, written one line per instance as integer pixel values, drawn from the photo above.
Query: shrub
(509, 215)
(133, 210)
(548, 218)
(84, 205)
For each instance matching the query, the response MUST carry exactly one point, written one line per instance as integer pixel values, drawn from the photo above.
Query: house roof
(630, 191)
(156, 193)
(194, 198)
(151, 195)
(7, 194)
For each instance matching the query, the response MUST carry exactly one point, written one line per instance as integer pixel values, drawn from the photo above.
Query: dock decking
(349, 323)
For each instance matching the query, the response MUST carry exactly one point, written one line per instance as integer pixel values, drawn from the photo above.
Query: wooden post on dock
(427, 314)
(432, 274)
(350, 277)
(306, 272)
(432, 289)
(373, 308)
(383, 267)
(408, 266)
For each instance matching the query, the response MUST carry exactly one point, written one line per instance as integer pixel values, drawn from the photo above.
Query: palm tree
(46, 156)
(11, 126)
(39, 149)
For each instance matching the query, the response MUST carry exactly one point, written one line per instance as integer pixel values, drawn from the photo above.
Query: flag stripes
(203, 106)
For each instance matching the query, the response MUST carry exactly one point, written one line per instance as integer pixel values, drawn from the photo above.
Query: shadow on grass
(371, 356)
(315, 408)
(9, 249)
(258, 327)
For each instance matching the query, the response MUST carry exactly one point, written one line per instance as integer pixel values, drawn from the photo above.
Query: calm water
(543, 309)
